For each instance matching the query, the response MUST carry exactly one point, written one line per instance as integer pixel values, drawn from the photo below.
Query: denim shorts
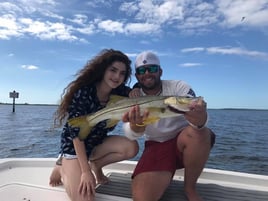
(66, 156)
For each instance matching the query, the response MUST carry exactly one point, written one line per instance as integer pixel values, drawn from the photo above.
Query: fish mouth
(175, 110)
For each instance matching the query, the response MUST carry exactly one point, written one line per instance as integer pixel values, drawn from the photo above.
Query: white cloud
(8, 27)
(88, 29)
(244, 12)
(111, 26)
(129, 8)
(53, 20)
(100, 3)
(228, 51)
(33, 27)
(190, 64)
(141, 28)
(159, 13)
(7, 7)
(47, 30)
(236, 51)
(199, 16)
(31, 6)
(194, 49)
(29, 67)
(79, 19)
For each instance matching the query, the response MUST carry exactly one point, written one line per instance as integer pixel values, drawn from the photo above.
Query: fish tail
(82, 123)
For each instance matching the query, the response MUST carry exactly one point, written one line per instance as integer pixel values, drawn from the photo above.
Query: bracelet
(130, 134)
(140, 125)
(198, 127)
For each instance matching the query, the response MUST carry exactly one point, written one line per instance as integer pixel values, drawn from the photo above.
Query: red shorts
(162, 156)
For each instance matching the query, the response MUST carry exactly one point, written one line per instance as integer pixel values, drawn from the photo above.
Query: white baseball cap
(146, 58)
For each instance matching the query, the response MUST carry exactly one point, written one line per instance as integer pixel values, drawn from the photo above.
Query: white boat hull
(26, 179)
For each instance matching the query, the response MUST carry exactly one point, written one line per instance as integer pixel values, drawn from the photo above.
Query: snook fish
(158, 107)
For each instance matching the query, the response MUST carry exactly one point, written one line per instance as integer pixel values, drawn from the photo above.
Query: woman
(102, 76)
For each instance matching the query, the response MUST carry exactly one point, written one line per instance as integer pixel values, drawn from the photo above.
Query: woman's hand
(87, 185)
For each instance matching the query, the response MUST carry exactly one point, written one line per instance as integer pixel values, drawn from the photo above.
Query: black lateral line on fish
(120, 107)
(175, 110)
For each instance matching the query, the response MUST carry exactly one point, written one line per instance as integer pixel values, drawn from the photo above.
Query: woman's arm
(88, 182)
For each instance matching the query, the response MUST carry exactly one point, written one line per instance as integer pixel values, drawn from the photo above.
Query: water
(241, 143)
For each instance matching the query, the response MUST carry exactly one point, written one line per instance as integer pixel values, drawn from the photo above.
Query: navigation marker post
(13, 95)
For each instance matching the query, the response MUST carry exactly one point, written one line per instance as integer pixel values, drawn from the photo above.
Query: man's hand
(134, 93)
(198, 113)
(135, 118)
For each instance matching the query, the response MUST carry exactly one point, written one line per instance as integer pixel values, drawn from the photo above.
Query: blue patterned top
(85, 101)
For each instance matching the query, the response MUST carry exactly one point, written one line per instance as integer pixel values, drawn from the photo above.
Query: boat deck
(120, 185)
(27, 180)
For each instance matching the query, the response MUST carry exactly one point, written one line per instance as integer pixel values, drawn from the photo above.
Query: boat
(26, 179)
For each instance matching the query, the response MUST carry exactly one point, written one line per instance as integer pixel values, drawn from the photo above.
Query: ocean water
(241, 143)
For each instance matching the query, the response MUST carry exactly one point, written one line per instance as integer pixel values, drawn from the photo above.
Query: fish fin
(82, 123)
(84, 132)
(151, 120)
(111, 122)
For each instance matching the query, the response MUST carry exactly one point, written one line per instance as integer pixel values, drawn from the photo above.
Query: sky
(219, 47)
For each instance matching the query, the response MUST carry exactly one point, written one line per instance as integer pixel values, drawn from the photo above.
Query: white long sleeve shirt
(167, 128)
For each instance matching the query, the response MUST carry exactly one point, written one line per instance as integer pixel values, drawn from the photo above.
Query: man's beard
(156, 83)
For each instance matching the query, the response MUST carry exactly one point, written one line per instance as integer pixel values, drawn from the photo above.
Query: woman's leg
(115, 148)
(71, 176)
(55, 177)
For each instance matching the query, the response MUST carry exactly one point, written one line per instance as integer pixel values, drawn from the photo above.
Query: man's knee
(150, 186)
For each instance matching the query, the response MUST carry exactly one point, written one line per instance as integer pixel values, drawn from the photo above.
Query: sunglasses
(151, 69)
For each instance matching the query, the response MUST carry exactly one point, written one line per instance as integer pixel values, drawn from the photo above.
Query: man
(171, 143)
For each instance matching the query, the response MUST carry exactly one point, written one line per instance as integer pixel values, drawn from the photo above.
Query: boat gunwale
(209, 175)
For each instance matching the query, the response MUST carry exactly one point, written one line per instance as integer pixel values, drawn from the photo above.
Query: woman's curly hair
(93, 72)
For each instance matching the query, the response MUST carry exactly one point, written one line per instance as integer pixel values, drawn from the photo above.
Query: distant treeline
(208, 108)
(29, 104)
(238, 109)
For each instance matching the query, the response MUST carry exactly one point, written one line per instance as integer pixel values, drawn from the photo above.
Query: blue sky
(219, 47)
